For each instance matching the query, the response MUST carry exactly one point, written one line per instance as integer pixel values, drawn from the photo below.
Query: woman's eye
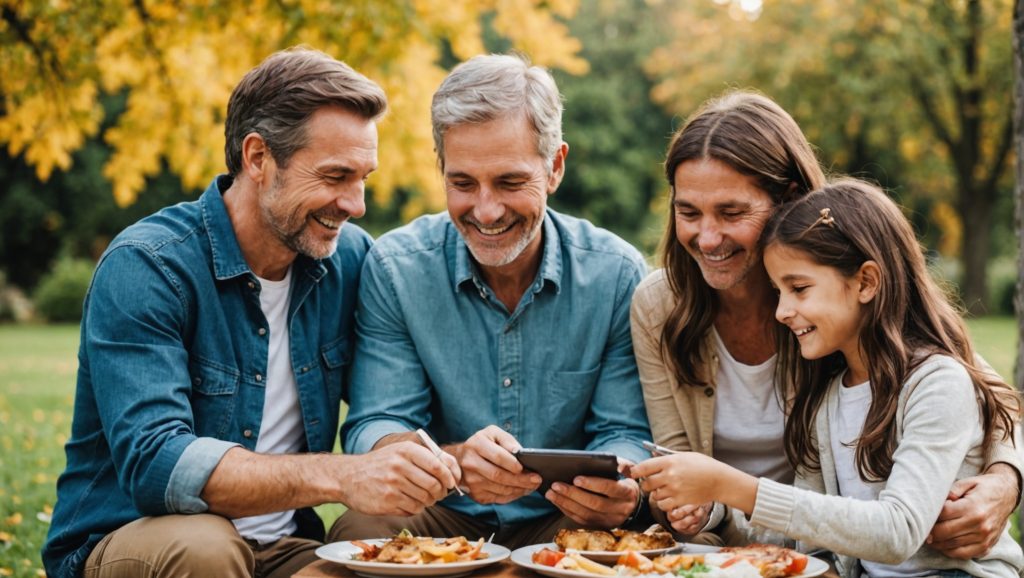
(799, 289)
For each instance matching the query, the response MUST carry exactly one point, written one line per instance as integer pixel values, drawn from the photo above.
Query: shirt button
(262, 331)
(259, 377)
(507, 382)
(508, 426)
(710, 391)
(251, 285)
(247, 433)
(305, 368)
(704, 443)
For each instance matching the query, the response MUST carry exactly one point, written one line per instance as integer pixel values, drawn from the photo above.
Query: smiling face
(497, 186)
(324, 183)
(719, 216)
(821, 306)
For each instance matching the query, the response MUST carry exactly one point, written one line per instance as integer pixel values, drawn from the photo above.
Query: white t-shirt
(281, 429)
(845, 427)
(749, 421)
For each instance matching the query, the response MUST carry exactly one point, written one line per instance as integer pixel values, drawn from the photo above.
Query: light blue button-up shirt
(436, 349)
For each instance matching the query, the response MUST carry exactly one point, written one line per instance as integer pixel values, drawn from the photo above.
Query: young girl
(890, 405)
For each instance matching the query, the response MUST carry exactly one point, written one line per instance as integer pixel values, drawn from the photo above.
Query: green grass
(37, 384)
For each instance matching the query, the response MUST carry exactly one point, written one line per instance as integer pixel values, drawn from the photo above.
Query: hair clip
(825, 219)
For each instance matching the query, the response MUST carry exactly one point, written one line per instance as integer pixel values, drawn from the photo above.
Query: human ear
(255, 157)
(869, 278)
(557, 167)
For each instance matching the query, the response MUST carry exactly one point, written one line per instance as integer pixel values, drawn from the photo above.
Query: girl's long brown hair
(909, 319)
(753, 135)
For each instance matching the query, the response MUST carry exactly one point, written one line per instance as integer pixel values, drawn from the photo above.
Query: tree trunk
(976, 211)
(1018, 130)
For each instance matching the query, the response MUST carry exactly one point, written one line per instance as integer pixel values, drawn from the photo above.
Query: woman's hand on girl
(690, 519)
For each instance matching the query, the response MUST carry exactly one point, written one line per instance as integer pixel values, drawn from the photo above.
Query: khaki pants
(194, 545)
(438, 521)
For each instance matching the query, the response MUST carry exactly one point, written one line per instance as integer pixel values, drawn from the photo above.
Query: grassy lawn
(37, 382)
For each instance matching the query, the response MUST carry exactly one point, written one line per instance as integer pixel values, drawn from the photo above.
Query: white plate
(342, 552)
(524, 557)
(608, 556)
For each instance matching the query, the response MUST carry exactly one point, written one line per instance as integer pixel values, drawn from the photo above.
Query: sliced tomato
(797, 563)
(547, 557)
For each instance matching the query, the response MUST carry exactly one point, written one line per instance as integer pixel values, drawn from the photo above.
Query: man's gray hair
(488, 87)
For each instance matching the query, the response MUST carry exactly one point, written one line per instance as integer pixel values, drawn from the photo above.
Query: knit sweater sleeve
(940, 426)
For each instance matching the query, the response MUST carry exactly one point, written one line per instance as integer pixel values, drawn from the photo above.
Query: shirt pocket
(214, 390)
(334, 358)
(567, 404)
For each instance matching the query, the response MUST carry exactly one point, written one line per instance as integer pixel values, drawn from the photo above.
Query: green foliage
(60, 294)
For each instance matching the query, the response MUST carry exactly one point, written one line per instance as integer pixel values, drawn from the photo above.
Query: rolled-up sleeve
(133, 338)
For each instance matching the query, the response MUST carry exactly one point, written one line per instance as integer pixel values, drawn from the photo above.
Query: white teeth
(804, 331)
(716, 258)
(493, 231)
(329, 223)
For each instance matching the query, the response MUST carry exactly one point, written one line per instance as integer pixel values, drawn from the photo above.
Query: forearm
(737, 489)
(1010, 479)
(248, 484)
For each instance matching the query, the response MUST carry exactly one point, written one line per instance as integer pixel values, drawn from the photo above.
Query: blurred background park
(112, 109)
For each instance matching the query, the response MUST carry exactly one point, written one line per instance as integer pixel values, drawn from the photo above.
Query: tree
(617, 136)
(913, 93)
(175, 63)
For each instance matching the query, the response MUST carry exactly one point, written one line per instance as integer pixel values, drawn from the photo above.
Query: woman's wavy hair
(909, 319)
(757, 138)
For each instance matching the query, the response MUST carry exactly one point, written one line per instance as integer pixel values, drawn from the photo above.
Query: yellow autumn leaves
(173, 65)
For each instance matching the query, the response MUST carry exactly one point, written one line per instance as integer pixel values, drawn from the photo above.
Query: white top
(281, 429)
(749, 423)
(846, 422)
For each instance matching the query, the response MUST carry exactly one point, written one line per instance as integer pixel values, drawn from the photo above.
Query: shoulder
(653, 299)
(583, 237)
(423, 235)
(172, 225)
(942, 378)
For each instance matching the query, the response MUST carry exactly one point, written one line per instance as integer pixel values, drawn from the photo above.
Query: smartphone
(657, 450)
(565, 465)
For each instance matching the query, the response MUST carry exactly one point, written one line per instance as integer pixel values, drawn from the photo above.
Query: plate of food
(692, 561)
(408, 555)
(606, 546)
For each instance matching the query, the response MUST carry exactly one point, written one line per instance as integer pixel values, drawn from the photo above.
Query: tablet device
(564, 465)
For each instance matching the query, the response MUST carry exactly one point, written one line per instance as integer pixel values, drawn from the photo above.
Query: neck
(266, 255)
(510, 282)
(856, 369)
(746, 319)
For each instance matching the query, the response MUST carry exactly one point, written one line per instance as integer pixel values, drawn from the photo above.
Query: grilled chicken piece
(596, 540)
(652, 539)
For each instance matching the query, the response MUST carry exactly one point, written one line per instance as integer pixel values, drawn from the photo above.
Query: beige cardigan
(682, 416)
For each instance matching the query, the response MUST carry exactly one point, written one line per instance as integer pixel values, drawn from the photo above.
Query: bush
(61, 292)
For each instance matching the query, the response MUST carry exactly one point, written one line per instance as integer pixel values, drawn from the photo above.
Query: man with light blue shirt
(500, 324)
(215, 341)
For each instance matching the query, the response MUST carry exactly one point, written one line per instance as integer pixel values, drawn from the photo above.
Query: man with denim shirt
(499, 324)
(215, 340)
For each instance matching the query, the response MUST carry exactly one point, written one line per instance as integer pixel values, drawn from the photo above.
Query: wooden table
(503, 569)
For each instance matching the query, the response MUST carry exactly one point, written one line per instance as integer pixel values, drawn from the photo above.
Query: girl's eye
(799, 289)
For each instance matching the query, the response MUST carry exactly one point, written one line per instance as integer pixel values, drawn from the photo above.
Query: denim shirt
(171, 363)
(436, 349)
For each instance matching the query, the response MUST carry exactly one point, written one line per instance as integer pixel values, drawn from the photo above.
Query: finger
(429, 473)
(452, 466)
(647, 468)
(568, 506)
(961, 487)
(614, 489)
(498, 452)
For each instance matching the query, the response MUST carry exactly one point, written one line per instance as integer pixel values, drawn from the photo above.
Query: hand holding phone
(565, 465)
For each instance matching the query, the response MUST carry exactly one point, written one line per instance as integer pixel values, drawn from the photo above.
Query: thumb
(959, 488)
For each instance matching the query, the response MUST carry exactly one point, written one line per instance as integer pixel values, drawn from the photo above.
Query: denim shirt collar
(550, 263)
(228, 260)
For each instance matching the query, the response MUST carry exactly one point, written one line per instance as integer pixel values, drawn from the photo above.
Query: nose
(710, 236)
(784, 311)
(488, 207)
(353, 201)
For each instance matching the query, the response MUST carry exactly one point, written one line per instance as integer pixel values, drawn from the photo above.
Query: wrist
(1010, 478)
(638, 508)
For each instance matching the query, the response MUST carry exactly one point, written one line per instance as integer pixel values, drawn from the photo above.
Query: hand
(689, 519)
(399, 479)
(975, 513)
(491, 473)
(596, 502)
(692, 478)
